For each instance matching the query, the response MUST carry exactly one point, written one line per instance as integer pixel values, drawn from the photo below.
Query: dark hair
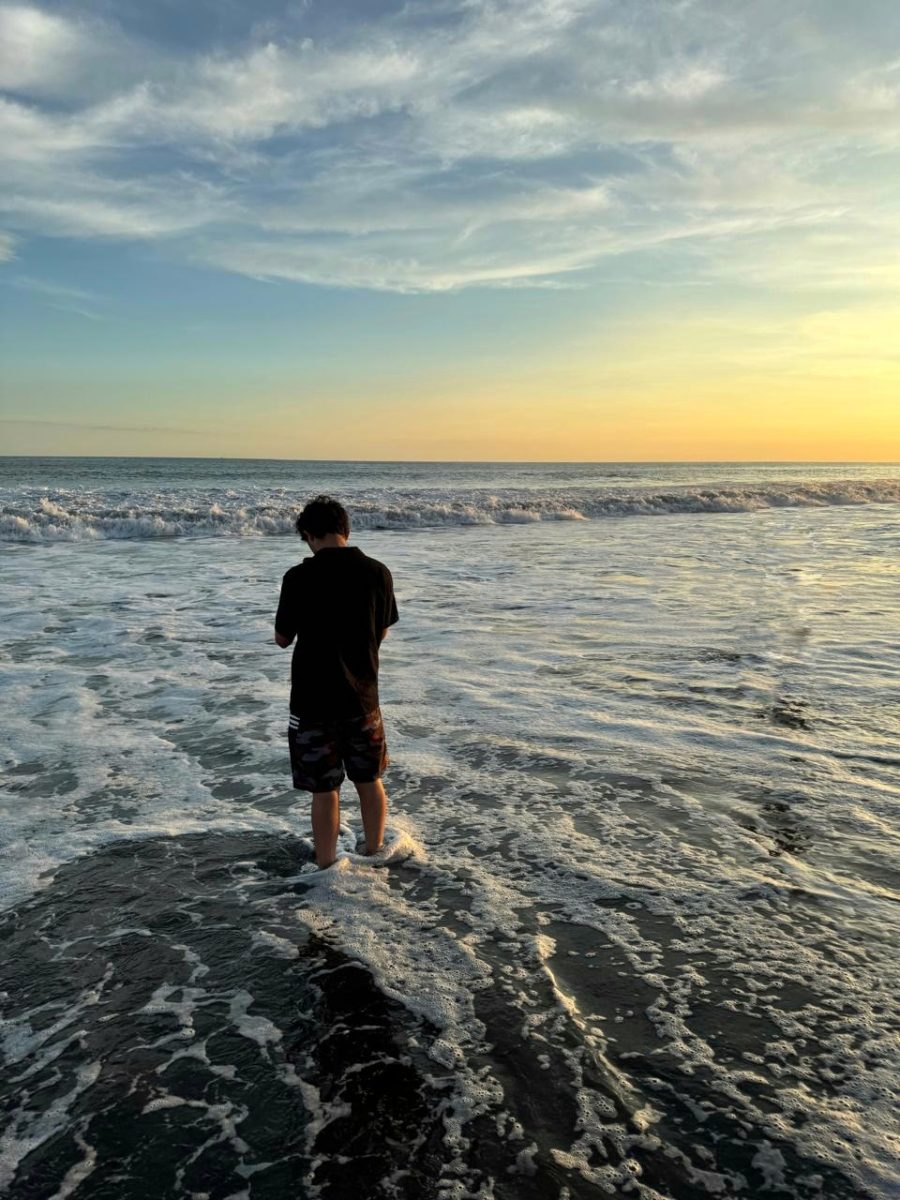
(323, 515)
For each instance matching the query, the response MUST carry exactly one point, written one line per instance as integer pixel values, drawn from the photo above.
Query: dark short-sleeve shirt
(337, 603)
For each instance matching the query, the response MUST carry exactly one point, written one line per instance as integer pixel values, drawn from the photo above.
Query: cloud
(875, 91)
(835, 256)
(81, 425)
(148, 210)
(439, 146)
(62, 296)
(680, 85)
(48, 56)
(35, 47)
(7, 247)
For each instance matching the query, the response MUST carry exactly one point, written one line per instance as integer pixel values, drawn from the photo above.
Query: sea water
(644, 727)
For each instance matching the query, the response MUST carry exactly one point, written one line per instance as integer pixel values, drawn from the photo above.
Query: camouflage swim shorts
(322, 750)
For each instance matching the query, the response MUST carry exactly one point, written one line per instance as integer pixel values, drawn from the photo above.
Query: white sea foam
(648, 777)
(33, 515)
(27, 1130)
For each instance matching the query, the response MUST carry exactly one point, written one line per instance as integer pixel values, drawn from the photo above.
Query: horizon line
(597, 462)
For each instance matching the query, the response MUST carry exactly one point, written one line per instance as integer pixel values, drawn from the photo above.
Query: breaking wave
(34, 515)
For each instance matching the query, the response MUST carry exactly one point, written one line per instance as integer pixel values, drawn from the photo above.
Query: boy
(339, 605)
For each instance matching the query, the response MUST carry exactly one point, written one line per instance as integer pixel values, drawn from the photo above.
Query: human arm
(389, 614)
(286, 616)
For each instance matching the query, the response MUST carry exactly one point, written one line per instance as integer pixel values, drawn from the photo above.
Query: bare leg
(373, 804)
(326, 815)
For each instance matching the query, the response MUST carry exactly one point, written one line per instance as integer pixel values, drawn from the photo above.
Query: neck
(329, 541)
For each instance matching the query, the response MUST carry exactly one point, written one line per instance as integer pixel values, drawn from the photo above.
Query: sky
(454, 229)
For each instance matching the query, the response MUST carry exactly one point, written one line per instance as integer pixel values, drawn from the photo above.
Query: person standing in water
(338, 605)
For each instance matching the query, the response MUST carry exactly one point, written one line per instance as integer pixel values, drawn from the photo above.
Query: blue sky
(413, 229)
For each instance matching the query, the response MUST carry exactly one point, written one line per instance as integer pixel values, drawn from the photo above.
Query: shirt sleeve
(391, 616)
(286, 616)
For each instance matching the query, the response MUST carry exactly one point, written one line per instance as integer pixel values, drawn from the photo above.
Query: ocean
(645, 740)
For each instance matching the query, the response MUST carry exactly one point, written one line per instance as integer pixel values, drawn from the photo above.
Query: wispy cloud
(470, 143)
(91, 428)
(62, 296)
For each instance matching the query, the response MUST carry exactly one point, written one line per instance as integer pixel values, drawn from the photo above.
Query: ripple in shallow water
(171, 1029)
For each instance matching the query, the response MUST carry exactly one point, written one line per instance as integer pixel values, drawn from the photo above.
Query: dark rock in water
(165, 1011)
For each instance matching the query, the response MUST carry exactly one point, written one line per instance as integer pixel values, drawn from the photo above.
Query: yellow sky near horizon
(822, 385)
(751, 420)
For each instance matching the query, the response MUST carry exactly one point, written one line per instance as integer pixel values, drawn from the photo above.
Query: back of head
(321, 516)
